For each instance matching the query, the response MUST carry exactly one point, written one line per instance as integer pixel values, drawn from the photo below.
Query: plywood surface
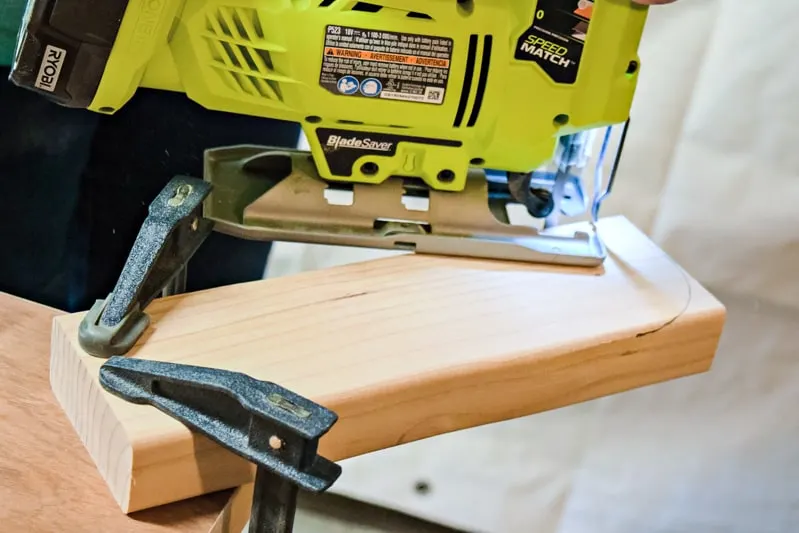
(48, 482)
(402, 349)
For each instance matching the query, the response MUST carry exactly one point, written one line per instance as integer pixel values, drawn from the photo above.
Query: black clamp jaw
(171, 234)
(270, 426)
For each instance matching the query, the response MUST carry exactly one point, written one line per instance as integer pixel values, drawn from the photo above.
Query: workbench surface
(48, 482)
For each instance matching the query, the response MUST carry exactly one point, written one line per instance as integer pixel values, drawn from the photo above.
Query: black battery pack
(64, 46)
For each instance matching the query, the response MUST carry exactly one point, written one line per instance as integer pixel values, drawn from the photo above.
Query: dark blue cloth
(75, 187)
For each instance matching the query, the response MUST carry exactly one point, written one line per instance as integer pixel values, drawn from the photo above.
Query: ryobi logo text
(148, 21)
(337, 141)
(50, 69)
(547, 50)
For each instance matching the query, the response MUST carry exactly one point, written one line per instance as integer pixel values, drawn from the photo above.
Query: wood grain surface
(48, 482)
(403, 349)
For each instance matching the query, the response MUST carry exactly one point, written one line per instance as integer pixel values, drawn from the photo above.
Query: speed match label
(388, 65)
(556, 37)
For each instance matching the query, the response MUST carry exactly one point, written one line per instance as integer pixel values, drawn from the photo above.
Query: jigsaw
(427, 121)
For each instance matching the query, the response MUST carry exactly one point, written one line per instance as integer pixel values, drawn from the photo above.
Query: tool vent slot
(371, 7)
(485, 65)
(240, 52)
(347, 122)
(468, 76)
(367, 7)
(476, 67)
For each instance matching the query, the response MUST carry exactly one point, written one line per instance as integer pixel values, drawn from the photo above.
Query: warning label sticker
(382, 64)
(556, 37)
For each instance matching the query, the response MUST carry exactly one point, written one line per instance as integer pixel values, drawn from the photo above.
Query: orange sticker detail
(383, 57)
(585, 9)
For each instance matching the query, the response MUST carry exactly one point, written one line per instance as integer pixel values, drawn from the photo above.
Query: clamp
(270, 426)
(169, 237)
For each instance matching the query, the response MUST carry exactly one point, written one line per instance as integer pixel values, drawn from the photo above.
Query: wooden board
(402, 349)
(47, 480)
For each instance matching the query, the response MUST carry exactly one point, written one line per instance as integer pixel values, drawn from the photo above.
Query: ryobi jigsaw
(428, 117)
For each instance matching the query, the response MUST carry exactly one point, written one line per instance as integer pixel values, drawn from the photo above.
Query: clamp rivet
(181, 193)
(275, 443)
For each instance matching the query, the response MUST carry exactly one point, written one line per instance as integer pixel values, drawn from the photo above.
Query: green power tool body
(465, 106)
(426, 91)
(415, 86)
